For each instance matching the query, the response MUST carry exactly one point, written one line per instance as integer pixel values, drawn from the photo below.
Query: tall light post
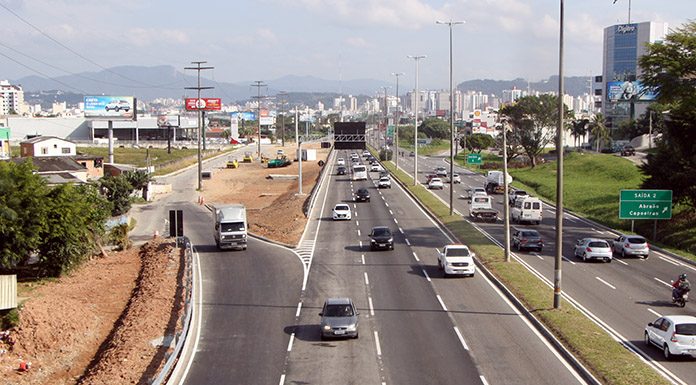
(417, 59)
(200, 116)
(506, 201)
(451, 195)
(258, 84)
(386, 114)
(558, 260)
(397, 117)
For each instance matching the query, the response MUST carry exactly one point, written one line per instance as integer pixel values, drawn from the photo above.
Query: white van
(526, 210)
(359, 172)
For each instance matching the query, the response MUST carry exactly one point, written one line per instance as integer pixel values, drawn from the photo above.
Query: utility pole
(198, 88)
(397, 117)
(416, 58)
(559, 176)
(386, 114)
(451, 195)
(258, 84)
(283, 101)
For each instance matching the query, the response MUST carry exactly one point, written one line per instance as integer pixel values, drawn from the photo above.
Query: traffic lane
(248, 299)
(492, 329)
(336, 271)
(418, 342)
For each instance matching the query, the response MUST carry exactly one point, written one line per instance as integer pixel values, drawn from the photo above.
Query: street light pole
(397, 117)
(416, 58)
(199, 108)
(506, 201)
(451, 192)
(258, 84)
(559, 176)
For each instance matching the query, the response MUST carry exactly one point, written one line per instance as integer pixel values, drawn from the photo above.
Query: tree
(599, 130)
(668, 68)
(117, 190)
(534, 120)
(579, 129)
(477, 142)
(138, 179)
(22, 212)
(435, 128)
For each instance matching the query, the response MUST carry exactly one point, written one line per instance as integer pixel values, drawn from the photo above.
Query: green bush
(9, 319)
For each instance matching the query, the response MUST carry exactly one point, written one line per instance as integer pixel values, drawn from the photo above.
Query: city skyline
(333, 39)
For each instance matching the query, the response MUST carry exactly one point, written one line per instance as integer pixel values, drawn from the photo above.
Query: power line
(42, 74)
(258, 84)
(73, 51)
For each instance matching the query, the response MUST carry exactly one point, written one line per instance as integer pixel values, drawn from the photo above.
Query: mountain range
(148, 83)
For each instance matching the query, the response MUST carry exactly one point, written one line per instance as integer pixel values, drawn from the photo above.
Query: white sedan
(593, 248)
(341, 212)
(384, 182)
(340, 162)
(436, 183)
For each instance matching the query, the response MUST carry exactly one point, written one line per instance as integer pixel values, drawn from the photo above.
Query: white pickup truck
(481, 208)
(456, 260)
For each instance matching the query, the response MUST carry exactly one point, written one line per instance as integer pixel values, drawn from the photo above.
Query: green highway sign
(390, 131)
(474, 159)
(645, 204)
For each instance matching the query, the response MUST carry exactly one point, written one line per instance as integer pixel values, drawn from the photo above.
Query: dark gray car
(381, 238)
(339, 319)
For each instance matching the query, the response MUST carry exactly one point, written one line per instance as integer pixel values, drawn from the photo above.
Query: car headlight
(327, 328)
(351, 328)
(390, 240)
(372, 240)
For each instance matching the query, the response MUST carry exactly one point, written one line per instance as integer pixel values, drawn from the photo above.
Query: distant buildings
(11, 99)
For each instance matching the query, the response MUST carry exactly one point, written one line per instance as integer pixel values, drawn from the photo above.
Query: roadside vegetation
(610, 362)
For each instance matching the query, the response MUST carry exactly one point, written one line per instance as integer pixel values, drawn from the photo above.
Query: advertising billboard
(110, 107)
(267, 121)
(203, 104)
(629, 90)
(243, 115)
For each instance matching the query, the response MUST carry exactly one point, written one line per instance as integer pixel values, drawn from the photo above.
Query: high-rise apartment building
(624, 96)
(11, 98)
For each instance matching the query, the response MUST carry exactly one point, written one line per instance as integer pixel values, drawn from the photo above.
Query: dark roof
(61, 178)
(53, 163)
(38, 139)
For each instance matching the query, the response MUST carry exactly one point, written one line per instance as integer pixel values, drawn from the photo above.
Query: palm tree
(578, 129)
(598, 129)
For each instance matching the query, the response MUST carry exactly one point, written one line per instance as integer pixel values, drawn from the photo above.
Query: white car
(593, 248)
(340, 162)
(384, 182)
(341, 212)
(626, 245)
(436, 183)
(118, 105)
(455, 178)
(375, 168)
(674, 334)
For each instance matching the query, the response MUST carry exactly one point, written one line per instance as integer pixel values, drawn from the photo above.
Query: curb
(538, 325)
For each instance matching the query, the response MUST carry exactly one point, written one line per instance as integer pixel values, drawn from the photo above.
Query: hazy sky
(350, 39)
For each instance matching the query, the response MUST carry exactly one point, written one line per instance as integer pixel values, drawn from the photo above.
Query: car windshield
(458, 252)
(384, 180)
(338, 311)
(686, 329)
(520, 192)
(530, 234)
(635, 240)
(380, 232)
(341, 208)
(599, 244)
(228, 227)
(362, 191)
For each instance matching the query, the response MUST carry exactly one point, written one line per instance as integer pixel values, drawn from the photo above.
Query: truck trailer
(230, 226)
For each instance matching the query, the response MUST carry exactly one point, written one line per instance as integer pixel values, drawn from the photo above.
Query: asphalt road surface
(622, 296)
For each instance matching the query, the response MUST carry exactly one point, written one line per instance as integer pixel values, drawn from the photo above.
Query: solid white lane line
(425, 273)
(292, 338)
(372, 309)
(538, 256)
(483, 380)
(396, 221)
(392, 213)
(606, 283)
(282, 380)
(654, 312)
(442, 303)
(358, 232)
(568, 260)
(416, 256)
(401, 230)
(362, 258)
(367, 281)
(662, 282)
(669, 261)
(299, 307)
(620, 261)
(676, 261)
(379, 349)
(461, 338)
(407, 242)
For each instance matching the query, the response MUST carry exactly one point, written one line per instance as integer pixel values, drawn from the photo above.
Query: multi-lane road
(622, 296)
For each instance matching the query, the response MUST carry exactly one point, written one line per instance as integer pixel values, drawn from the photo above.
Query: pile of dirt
(79, 321)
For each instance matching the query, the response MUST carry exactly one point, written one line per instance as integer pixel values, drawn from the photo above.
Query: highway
(622, 296)
(416, 327)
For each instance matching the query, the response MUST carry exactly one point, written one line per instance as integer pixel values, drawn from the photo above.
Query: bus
(359, 172)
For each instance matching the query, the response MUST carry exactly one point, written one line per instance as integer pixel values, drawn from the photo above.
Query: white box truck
(230, 226)
(495, 183)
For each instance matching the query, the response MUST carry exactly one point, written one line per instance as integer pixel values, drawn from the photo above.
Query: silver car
(339, 318)
(626, 245)
(593, 248)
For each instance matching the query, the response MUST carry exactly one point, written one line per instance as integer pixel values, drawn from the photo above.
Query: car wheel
(623, 253)
(356, 336)
(517, 246)
(439, 265)
(646, 339)
(645, 256)
(539, 250)
(584, 257)
(666, 352)
(608, 260)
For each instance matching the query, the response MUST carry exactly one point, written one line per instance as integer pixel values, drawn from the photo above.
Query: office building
(11, 98)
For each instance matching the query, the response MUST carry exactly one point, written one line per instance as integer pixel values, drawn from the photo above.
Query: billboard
(243, 115)
(203, 104)
(110, 107)
(629, 90)
(267, 120)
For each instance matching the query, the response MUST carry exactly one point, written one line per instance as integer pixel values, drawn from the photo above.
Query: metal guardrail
(180, 338)
(309, 203)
